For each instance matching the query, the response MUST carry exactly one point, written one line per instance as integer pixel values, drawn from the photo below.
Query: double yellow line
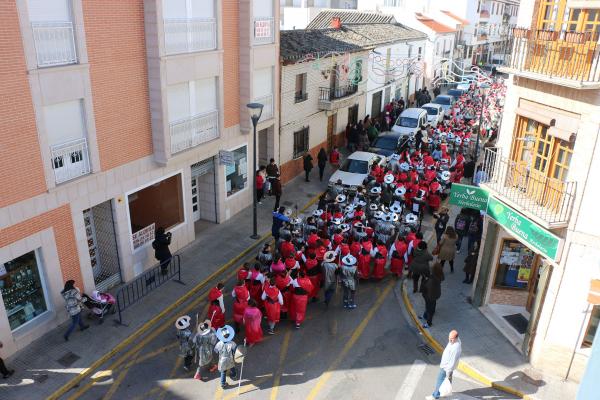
(134, 336)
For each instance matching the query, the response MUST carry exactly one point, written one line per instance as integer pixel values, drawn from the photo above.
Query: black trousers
(415, 277)
(443, 262)
(3, 369)
(277, 198)
(321, 172)
(307, 173)
(259, 194)
(429, 311)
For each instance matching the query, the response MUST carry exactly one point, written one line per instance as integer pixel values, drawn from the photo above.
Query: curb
(462, 366)
(140, 331)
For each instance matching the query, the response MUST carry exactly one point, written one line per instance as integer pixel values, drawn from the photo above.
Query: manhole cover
(425, 348)
(40, 378)
(68, 359)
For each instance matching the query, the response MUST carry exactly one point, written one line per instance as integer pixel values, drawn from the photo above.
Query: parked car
(435, 113)
(445, 101)
(464, 87)
(409, 121)
(356, 168)
(456, 93)
(387, 143)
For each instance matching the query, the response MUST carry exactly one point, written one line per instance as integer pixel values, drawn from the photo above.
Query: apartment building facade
(540, 248)
(119, 118)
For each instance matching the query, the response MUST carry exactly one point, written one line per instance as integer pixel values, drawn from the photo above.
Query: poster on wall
(524, 274)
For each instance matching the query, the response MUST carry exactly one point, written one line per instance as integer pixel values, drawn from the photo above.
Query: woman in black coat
(322, 162)
(432, 291)
(308, 165)
(160, 245)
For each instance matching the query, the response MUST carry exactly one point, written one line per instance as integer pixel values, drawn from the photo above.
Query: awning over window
(561, 124)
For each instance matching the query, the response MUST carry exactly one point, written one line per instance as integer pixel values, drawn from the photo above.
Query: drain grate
(425, 348)
(68, 359)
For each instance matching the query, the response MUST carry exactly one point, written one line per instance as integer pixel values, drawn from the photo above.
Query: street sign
(524, 229)
(226, 157)
(469, 196)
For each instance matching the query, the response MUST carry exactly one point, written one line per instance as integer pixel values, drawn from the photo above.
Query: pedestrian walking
(322, 162)
(308, 166)
(252, 319)
(260, 183)
(470, 264)
(441, 222)
(330, 269)
(431, 291)
(348, 272)
(276, 191)
(204, 343)
(302, 287)
(225, 348)
(461, 227)
(447, 248)
(273, 300)
(419, 266)
(475, 231)
(6, 372)
(241, 296)
(449, 363)
(216, 309)
(334, 158)
(161, 243)
(73, 303)
(272, 171)
(186, 340)
(278, 219)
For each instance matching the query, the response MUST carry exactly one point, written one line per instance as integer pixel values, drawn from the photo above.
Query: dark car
(456, 93)
(386, 143)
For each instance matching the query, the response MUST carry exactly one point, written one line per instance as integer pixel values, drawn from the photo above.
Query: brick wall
(117, 55)
(60, 221)
(21, 160)
(231, 62)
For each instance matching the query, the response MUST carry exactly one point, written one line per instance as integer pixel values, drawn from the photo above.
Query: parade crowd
(356, 234)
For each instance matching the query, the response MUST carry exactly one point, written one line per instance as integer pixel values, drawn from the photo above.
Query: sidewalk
(49, 363)
(487, 355)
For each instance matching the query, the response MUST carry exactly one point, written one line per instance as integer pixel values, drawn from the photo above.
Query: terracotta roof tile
(433, 24)
(323, 19)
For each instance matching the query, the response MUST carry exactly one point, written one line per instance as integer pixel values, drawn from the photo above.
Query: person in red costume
(273, 300)
(364, 264)
(284, 284)
(380, 254)
(252, 319)
(286, 247)
(216, 315)
(291, 262)
(313, 272)
(256, 279)
(240, 295)
(302, 287)
(216, 293)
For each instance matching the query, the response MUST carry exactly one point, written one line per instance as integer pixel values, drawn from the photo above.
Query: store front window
(515, 266)
(21, 289)
(237, 173)
(592, 327)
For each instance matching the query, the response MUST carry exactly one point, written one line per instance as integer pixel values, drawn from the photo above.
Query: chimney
(336, 23)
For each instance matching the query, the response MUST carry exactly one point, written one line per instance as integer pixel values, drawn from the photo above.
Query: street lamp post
(255, 110)
(483, 91)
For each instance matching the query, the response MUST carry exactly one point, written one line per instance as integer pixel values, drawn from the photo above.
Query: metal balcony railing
(264, 31)
(329, 94)
(550, 200)
(189, 35)
(70, 160)
(54, 43)
(573, 56)
(267, 102)
(191, 132)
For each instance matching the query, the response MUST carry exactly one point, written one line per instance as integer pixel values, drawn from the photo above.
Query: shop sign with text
(469, 196)
(524, 229)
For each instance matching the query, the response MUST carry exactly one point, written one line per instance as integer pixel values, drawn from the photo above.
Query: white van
(410, 120)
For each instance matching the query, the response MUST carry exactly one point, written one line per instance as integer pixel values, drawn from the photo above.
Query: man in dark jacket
(461, 226)
(322, 162)
(272, 172)
(278, 219)
(160, 245)
(419, 266)
(276, 191)
(432, 290)
(308, 165)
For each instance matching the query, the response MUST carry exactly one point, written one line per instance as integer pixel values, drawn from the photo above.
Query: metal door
(195, 205)
(376, 104)
(102, 245)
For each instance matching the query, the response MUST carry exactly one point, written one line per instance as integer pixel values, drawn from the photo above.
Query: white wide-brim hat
(404, 166)
(376, 190)
(396, 207)
(318, 212)
(395, 216)
(378, 214)
(340, 198)
(411, 218)
(400, 191)
(388, 217)
(359, 225)
(337, 221)
(225, 334)
(458, 141)
(362, 203)
(349, 259)
(345, 227)
(296, 221)
(183, 322)
(389, 178)
(329, 256)
(451, 136)
(349, 208)
(466, 140)
(445, 175)
(373, 207)
(205, 327)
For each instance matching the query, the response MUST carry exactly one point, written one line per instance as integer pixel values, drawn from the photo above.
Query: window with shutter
(300, 142)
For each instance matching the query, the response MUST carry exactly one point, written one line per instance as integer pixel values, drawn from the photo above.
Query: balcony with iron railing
(264, 30)
(193, 131)
(190, 35)
(546, 200)
(267, 111)
(54, 43)
(561, 57)
(70, 160)
(333, 98)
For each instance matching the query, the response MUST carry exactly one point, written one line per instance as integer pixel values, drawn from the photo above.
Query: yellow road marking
(115, 386)
(247, 387)
(350, 343)
(282, 355)
(165, 386)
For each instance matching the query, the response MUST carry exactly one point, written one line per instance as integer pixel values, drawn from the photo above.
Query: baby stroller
(99, 304)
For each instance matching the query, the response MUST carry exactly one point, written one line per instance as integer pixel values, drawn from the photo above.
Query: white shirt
(451, 356)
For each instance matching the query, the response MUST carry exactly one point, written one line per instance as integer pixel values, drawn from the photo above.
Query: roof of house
(305, 43)
(456, 17)
(433, 24)
(323, 19)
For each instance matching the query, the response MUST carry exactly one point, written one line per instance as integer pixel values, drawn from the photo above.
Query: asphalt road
(371, 352)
